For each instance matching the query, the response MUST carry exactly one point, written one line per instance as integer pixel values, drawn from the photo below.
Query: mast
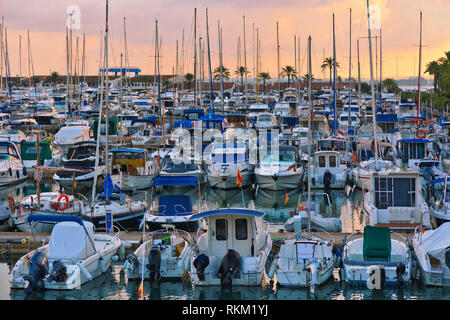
(201, 67)
(176, 78)
(126, 63)
(219, 30)
(20, 68)
(295, 56)
(359, 75)
(209, 62)
(372, 89)
(334, 82)
(350, 73)
(381, 67)
(83, 67)
(195, 55)
(107, 93)
(420, 64)
(257, 61)
(309, 133)
(182, 62)
(1, 59)
(278, 60)
(245, 66)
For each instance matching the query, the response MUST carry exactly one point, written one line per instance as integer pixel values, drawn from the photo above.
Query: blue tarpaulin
(175, 205)
(53, 218)
(151, 120)
(387, 118)
(175, 181)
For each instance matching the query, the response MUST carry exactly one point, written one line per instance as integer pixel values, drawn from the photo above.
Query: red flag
(141, 291)
(300, 207)
(239, 179)
(286, 198)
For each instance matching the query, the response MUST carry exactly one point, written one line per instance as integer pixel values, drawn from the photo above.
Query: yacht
(12, 169)
(327, 172)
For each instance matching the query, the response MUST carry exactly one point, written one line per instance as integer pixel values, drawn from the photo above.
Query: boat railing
(178, 233)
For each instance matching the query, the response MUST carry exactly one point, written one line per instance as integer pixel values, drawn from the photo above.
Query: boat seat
(377, 244)
(400, 214)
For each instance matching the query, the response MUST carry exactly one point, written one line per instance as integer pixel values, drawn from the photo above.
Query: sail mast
(350, 74)
(209, 63)
(334, 82)
(309, 133)
(245, 66)
(420, 64)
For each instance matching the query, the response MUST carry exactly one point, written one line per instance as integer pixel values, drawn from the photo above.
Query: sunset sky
(46, 20)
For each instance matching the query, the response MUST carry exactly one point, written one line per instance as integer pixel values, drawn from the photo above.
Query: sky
(46, 21)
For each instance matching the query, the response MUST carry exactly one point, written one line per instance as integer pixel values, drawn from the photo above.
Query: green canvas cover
(29, 152)
(112, 126)
(377, 244)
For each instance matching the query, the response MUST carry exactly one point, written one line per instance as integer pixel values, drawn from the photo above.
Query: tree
(53, 77)
(264, 76)
(391, 85)
(241, 71)
(433, 68)
(365, 87)
(189, 77)
(328, 63)
(166, 83)
(225, 72)
(288, 72)
(305, 77)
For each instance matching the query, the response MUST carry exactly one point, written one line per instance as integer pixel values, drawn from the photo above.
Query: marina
(200, 186)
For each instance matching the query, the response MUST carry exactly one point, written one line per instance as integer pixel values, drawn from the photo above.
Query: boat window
(383, 193)
(395, 192)
(414, 150)
(221, 229)
(321, 161)
(241, 229)
(332, 160)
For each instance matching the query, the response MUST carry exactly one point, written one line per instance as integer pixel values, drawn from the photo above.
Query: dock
(20, 243)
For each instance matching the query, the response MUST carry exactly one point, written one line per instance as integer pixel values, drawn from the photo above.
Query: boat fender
(115, 258)
(122, 252)
(200, 263)
(400, 271)
(17, 174)
(102, 263)
(37, 271)
(24, 171)
(85, 271)
(59, 272)
(10, 172)
(154, 263)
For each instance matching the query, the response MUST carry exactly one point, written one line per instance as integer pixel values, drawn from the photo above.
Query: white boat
(304, 261)
(266, 120)
(440, 213)
(132, 168)
(12, 170)
(432, 251)
(395, 200)
(165, 254)
(327, 171)
(234, 249)
(73, 256)
(362, 173)
(49, 203)
(226, 161)
(68, 136)
(281, 170)
(377, 248)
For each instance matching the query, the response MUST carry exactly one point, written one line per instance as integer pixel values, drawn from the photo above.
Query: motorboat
(377, 249)
(132, 168)
(164, 255)
(12, 169)
(226, 161)
(74, 255)
(280, 170)
(327, 171)
(395, 200)
(68, 136)
(233, 250)
(432, 252)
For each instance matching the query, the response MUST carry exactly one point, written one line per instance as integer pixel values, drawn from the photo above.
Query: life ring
(355, 157)
(421, 134)
(66, 204)
(292, 166)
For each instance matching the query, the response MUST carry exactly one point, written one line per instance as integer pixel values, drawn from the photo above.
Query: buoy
(102, 264)
(66, 204)
(85, 272)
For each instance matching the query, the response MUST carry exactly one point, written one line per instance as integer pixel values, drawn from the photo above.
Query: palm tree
(53, 77)
(288, 72)
(241, 71)
(166, 83)
(189, 77)
(433, 68)
(264, 76)
(328, 63)
(225, 73)
(305, 77)
(391, 85)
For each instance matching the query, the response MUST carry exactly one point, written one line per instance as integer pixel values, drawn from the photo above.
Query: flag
(422, 228)
(108, 187)
(239, 179)
(300, 207)
(286, 198)
(141, 291)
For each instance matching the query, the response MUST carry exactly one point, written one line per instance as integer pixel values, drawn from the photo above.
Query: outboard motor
(230, 267)
(154, 263)
(133, 261)
(38, 271)
(327, 180)
(59, 272)
(399, 273)
(200, 264)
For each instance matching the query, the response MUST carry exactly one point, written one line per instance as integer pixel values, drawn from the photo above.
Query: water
(115, 286)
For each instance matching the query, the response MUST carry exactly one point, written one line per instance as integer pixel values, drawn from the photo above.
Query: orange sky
(46, 20)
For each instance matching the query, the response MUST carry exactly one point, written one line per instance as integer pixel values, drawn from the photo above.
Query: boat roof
(227, 211)
(175, 181)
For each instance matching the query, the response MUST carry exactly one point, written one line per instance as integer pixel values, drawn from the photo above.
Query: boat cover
(69, 241)
(377, 243)
(435, 242)
(172, 205)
